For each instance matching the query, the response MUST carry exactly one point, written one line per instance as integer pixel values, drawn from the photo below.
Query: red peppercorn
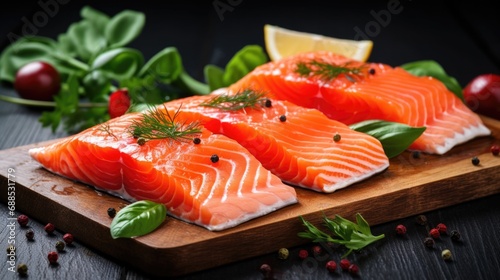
(23, 220)
(495, 150)
(434, 233)
(49, 228)
(442, 228)
(353, 269)
(53, 256)
(303, 254)
(68, 238)
(119, 102)
(344, 264)
(331, 266)
(266, 271)
(317, 250)
(400, 229)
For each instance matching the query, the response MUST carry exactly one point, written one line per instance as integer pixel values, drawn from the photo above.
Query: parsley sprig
(354, 236)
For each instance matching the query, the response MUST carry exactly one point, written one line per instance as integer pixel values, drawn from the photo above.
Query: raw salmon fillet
(180, 174)
(300, 150)
(376, 92)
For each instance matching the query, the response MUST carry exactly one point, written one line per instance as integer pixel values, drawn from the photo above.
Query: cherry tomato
(119, 102)
(482, 95)
(37, 81)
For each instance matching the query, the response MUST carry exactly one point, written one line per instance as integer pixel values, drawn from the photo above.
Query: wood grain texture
(409, 186)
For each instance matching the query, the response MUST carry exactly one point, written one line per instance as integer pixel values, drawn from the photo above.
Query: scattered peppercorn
(442, 228)
(22, 269)
(371, 71)
(353, 269)
(282, 118)
(317, 250)
(60, 246)
(68, 238)
(455, 235)
(268, 103)
(111, 212)
(197, 140)
(49, 228)
(434, 233)
(415, 154)
(446, 255)
(495, 150)
(421, 220)
(11, 249)
(141, 141)
(23, 220)
(475, 161)
(52, 256)
(30, 234)
(266, 271)
(331, 266)
(303, 254)
(400, 229)
(429, 242)
(283, 254)
(336, 137)
(344, 264)
(214, 158)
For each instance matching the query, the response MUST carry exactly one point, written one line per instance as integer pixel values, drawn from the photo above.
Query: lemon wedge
(281, 42)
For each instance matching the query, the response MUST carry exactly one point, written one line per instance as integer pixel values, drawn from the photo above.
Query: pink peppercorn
(317, 250)
(434, 233)
(353, 269)
(23, 220)
(303, 254)
(400, 229)
(495, 150)
(331, 266)
(68, 238)
(344, 264)
(52, 256)
(49, 228)
(442, 228)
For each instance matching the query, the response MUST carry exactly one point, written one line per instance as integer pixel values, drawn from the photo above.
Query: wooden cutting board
(408, 187)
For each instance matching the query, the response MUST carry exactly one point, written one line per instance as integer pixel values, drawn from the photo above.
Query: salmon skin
(351, 91)
(215, 193)
(295, 143)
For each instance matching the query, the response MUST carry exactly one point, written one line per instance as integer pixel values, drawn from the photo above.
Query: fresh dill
(328, 71)
(160, 124)
(106, 129)
(243, 99)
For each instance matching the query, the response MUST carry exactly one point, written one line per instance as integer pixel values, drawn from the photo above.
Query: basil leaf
(165, 65)
(433, 69)
(119, 64)
(394, 137)
(213, 75)
(138, 218)
(98, 19)
(243, 62)
(124, 27)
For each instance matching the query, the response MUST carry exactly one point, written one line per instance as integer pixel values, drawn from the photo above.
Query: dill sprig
(158, 124)
(104, 127)
(243, 99)
(328, 71)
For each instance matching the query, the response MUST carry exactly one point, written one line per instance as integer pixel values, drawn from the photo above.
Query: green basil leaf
(243, 62)
(433, 69)
(138, 218)
(394, 137)
(66, 45)
(87, 39)
(124, 27)
(97, 86)
(119, 64)
(23, 51)
(165, 65)
(214, 76)
(98, 19)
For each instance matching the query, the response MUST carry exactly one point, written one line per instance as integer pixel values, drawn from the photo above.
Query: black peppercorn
(111, 212)
(336, 137)
(371, 71)
(268, 103)
(30, 234)
(214, 158)
(141, 141)
(22, 269)
(421, 220)
(475, 161)
(60, 246)
(282, 118)
(455, 235)
(429, 242)
(197, 140)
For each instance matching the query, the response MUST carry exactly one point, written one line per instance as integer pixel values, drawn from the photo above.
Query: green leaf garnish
(138, 218)
(394, 137)
(354, 236)
(327, 71)
(157, 124)
(243, 99)
(433, 69)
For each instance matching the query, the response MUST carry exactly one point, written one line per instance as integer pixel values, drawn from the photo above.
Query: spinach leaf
(433, 69)
(138, 218)
(394, 137)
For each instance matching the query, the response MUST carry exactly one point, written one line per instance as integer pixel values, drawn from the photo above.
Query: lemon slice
(281, 42)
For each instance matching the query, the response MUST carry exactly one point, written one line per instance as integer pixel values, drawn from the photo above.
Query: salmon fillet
(295, 143)
(351, 91)
(180, 174)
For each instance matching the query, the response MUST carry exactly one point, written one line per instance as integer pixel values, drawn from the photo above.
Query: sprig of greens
(394, 137)
(354, 236)
(243, 99)
(327, 71)
(138, 218)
